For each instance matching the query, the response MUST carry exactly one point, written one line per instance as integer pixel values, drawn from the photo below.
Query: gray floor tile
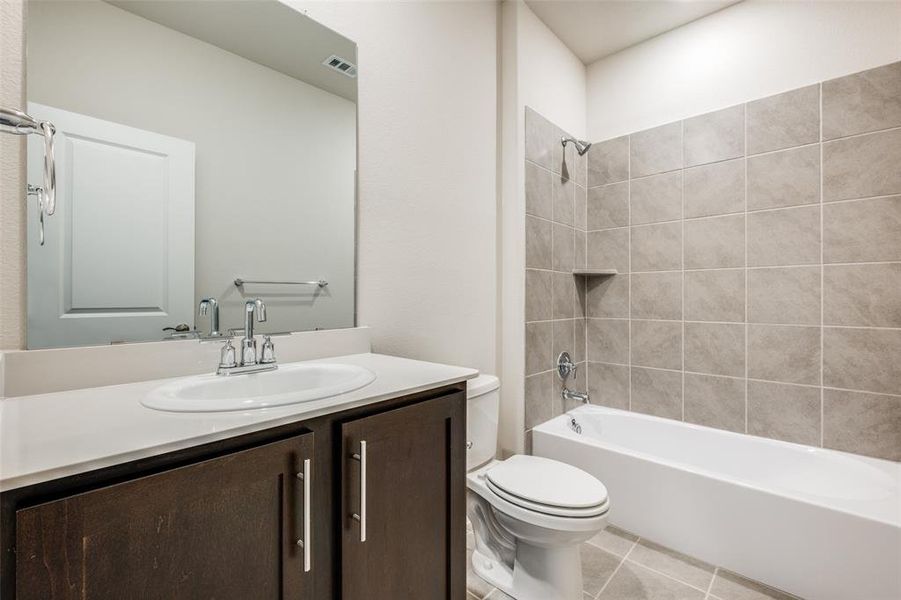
(669, 562)
(614, 540)
(476, 586)
(729, 586)
(597, 567)
(634, 582)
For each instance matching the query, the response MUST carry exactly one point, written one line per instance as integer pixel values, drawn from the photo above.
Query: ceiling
(593, 29)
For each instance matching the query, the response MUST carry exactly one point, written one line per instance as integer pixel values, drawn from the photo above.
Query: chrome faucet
(565, 369)
(211, 306)
(249, 361)
(249, 343)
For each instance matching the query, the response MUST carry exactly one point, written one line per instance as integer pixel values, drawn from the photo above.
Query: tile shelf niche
(594, 272)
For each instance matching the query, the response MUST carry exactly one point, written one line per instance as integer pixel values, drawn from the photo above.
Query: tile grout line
(822, 278)
(682, 259)
(629, 241)
(616, 570)
(747, 326)
(716, 571)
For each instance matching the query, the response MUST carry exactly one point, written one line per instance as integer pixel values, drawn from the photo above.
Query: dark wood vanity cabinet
(223, 521)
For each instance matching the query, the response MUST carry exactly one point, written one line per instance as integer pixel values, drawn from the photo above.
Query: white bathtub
(821, 524)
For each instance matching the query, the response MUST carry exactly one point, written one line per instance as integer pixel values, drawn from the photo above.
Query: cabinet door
(225, 528)
(403, 532)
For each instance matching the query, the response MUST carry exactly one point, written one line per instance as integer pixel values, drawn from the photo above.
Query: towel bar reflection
(321, 282)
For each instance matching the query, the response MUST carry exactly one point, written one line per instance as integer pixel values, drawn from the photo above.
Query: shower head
(581, 145)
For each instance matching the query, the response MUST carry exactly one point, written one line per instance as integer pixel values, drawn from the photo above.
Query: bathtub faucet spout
(572, 396)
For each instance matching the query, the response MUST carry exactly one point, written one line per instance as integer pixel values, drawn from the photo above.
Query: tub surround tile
(657, 344)
(862, 295)
(715, 136)
(862, 423)
(564, 248)
(675, 564)
(539, 139)
(729, 586)
(580, 167)
(608, 385)
(862, 166)
(862, 359)
(539, 306)
(787, 295)
(539, 191)
(784, 412)
(656, 392)
(609, 249)
(715, 189)
(539, 343)
(608, 161)
(715, 348)
(715, 401)
(597, 567)
(862, 231)
(656, 295)
(656, 150)
(580, 208)
(564, 196)
(862, 102)
(787, 236)
(717, 295)
(608, 297)
(635, 582)
(784, 353)
(614, 540)
(564, 296)
(608, 340)
(656, 247)
(538, 243)
(785, 178)
(656, 198)
(784, 120)
(580, 256)
(564, 341)
(608, 206)
(579, 354)
(539, 399)
(717, 242)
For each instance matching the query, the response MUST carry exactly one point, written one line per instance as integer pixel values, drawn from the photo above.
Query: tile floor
(617, 565)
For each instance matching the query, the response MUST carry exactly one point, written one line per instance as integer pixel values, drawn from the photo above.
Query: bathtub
(821, 524)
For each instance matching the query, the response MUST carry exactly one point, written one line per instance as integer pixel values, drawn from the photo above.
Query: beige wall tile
(608, 385)
(715, 295)
(564, 340)
(863, 231)
(789, 295)
(538, 295)
(608, 206)
(608, 161)
(538, 243)
(715, 136)
(579, 355)
(784, 120)
(541, 139)
(862, 359)
(784, 412)
(580, 208)
(862, 295)
(539, 343)
(609, 249)
(862, 423)
(563, 296)
(787, 236)
(657, 392)
(862, 102)
(862, 166)
(784, 353)
(715, 401)
(564, 247)
(539, 194)
(579, 171)
(608, 340)
(656, 198)
(656, 295)
(656, 247)
(580, 256)
(786, 178)
(715, 348)
(564, 192)
(608, 296)
(657, 344)
(656, 150)
(715, 242)
(538, 399)
(715, 189)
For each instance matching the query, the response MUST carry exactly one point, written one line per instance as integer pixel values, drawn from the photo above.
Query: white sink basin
(289, 384)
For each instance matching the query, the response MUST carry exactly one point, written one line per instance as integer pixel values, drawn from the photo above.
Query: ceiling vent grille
(342, 66)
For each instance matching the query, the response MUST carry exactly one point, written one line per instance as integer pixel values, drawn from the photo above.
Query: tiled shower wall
(759, 258)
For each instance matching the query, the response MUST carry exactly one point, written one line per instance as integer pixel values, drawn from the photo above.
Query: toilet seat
(547, 486)
(557, 511)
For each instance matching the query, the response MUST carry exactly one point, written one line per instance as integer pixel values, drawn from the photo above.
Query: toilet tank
(482, 406)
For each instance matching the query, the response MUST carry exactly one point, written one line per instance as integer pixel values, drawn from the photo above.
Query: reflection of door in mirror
(118, 263)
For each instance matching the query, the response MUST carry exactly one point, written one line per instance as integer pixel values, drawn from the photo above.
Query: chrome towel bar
(321, 282)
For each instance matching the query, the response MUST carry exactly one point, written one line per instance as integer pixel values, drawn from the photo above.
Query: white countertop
(48, 436)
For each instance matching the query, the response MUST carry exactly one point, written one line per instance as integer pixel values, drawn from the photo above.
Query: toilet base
(538, 573)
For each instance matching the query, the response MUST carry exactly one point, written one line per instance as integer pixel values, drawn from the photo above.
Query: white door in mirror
(290, 384)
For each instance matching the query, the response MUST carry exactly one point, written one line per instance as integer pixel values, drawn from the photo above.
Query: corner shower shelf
(594, 272)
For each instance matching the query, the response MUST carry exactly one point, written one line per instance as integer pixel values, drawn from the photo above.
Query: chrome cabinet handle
(361, 517)
(307, 542)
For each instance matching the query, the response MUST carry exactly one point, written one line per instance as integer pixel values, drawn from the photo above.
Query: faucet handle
(267, 353)
(228, 355)
(565, 366)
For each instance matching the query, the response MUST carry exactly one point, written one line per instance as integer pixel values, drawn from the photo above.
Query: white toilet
(529, 514)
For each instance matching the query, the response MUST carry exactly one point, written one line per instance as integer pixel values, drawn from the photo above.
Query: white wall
(427, 276)
(274, 195)
(747, 51)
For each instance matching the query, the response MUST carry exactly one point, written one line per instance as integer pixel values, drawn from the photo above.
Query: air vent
(342, 66)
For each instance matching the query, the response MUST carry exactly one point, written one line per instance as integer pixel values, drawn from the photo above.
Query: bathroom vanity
(359, 496)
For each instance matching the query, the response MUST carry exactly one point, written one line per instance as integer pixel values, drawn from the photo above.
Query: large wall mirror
(198, 143)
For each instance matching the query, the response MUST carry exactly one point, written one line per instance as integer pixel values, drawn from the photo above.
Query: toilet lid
(584, 513)
(547, 482)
